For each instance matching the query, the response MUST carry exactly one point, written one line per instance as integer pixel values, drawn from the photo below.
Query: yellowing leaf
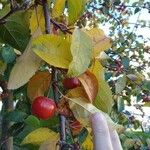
(128, 143)
(136, 78)
(81, 49)
(75, 10)
(100, 41)
(25, 67)
(97, 69)
(37, 20)
(82, 110)
(147, 104)
(58, 8)
(88, 143)
(38, 84)
(55, 50)
(78, 92)
(49, 145)
(40, 135)
(90, 84)
(104, 99)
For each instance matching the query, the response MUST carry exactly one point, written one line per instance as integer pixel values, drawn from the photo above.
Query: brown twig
(55, 79)
(61, 26)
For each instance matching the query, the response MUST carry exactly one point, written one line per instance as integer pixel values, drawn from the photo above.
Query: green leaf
(52, 123)
(147, 84)
(58, 8)
(32, 121)
(16, 116)
(8, 54)
(25, 67)
(120, 104)
(16, 128)
(82, 135)
(75, 9)
(137, 9)
(15, 31)
(117, 2)
(104, 99)
(121, 84)
(136, 124)
(81, 49)
(125, 62)
(55, 50)
(108, 75)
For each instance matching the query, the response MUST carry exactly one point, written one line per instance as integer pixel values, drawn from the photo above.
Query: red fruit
(43, 107)
(146, 99)
(70, 83)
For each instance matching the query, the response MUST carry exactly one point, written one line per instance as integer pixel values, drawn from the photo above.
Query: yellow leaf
(147, 104)
(37, 20)
(49, 145)
(100, 41)
(136, 78)
(77, 92)
(90, 84)
(35, 88)
(128, 143)
(81, 49)
(25, 67)
(82, 110)
(97, 69)
(55, 50)
(88, 143)
(58, 8)
(75, 10)
(104, 99)
(40, 135)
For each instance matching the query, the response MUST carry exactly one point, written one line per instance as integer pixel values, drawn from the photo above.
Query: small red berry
(146, 99)
(70, 83)
(43, 107)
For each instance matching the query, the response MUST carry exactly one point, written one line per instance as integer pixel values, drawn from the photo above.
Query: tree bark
(6, 142)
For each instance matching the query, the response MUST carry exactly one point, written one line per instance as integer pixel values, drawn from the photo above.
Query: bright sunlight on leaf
(37, 20)
(99, 40)
(81, 49)
(83, 110)
(75, 9)
(25, 67)
(39, 136)
(58, 9)
(55, 50)
(104, 99)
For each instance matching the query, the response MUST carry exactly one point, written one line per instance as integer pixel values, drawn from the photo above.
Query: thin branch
(56, 98)
(61, 26)
(55, 79)
(46, 16)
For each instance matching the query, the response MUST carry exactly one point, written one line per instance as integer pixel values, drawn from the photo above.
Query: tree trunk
(6, 142)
